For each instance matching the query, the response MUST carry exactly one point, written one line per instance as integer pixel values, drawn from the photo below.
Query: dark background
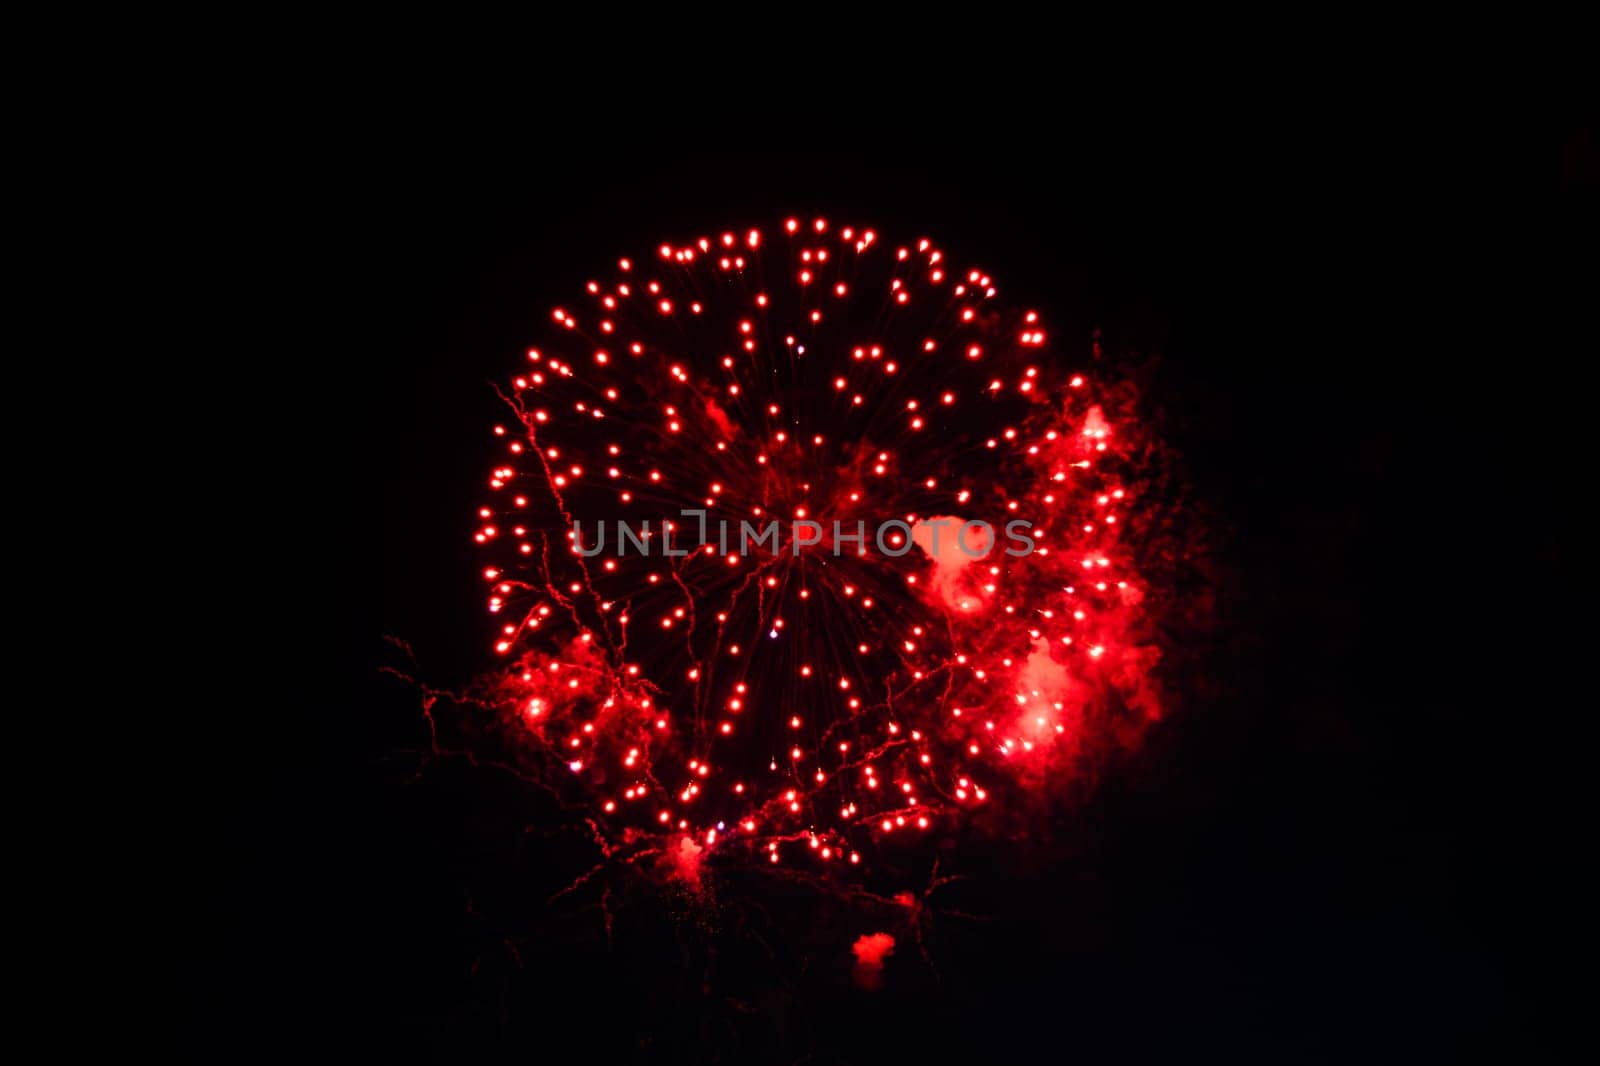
(1334, 850)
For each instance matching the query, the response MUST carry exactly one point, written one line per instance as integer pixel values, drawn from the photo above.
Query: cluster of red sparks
(811, 704)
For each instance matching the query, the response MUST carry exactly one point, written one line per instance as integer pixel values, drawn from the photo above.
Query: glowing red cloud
(870, 951)
(684, 862)
(957, 564)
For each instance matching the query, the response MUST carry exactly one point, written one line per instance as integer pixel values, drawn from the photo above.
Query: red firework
(813, 700)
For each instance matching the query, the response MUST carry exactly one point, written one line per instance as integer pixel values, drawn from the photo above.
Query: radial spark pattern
(817, 699)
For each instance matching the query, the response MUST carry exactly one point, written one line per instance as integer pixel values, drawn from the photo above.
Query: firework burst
(801, 546)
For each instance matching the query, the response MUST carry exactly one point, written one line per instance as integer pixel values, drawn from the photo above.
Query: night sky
(1320, 855)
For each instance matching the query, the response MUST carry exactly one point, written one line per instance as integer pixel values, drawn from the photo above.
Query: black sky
(1317, 859)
